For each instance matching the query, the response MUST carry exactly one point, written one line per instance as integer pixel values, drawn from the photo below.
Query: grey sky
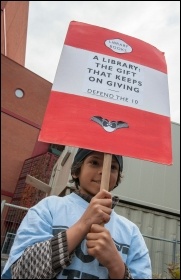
(155, 22)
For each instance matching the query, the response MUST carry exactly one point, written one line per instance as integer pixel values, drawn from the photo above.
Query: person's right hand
(98, 211)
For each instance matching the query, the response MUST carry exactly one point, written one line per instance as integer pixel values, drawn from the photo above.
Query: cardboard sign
(110, 94)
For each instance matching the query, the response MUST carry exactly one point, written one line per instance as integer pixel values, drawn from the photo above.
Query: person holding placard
(79, 236)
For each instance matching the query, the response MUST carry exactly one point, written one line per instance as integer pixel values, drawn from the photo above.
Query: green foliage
(174, 270)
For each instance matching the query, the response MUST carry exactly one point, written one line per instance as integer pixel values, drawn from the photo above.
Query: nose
(100, 169)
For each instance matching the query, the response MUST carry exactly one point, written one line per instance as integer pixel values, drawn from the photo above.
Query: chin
(92, 193)
(95, 191)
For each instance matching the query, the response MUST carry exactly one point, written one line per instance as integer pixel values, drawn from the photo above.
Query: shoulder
(53, 199)
(125, 223)
(47, 206)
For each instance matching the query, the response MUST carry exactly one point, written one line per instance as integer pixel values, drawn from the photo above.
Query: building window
(56, 149)
(19, 93)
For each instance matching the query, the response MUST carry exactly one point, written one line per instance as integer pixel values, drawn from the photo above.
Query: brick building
(24, 96)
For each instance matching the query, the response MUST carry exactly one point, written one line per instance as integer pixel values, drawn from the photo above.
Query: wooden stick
(106, 172)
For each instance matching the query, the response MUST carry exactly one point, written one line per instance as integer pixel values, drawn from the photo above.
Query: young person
(79, 236)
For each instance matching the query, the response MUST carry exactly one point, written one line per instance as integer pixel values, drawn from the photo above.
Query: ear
(74, 176)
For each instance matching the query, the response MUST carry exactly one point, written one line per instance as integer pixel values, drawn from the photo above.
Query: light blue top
(54, 214)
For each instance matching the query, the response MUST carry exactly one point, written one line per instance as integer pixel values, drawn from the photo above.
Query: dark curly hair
(75, 170)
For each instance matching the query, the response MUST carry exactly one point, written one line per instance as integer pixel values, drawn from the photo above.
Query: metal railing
(163, 252)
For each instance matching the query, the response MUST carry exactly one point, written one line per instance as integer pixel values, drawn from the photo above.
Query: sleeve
(35, 263)
(43, 260)
(138, 260)
(127, 274)
(36, 227)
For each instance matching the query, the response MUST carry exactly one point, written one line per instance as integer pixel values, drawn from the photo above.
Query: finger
(103, 194)
(101, 210)
(91, 244)
(105, 202)
(102, 217)
(95, 228)
(93, 235)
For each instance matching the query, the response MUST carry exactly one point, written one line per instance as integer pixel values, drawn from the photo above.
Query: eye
(114, 167)
(94, 162)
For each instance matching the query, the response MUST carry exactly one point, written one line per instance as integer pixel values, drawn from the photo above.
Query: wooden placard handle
(106, 172)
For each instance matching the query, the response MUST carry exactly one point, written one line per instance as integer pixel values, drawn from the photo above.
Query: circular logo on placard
(118, 46)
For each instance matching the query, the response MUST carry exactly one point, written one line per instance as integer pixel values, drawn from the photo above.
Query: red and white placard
(110, 94)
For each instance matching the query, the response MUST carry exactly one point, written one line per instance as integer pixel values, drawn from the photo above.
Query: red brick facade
(21, 117)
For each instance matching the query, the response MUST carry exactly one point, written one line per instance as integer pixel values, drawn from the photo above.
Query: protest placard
(110, 94)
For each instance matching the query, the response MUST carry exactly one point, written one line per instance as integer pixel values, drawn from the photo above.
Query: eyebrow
(97, 157)
(93, 156)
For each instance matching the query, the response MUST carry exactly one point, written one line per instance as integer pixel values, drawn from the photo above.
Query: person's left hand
(101, 246)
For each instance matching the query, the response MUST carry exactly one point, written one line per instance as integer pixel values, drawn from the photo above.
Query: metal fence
(162, 251)
(11, 217)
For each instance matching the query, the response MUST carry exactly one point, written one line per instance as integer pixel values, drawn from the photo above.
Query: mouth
(96, 181)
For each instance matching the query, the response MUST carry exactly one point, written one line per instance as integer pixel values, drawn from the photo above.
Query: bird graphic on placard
(109, 126)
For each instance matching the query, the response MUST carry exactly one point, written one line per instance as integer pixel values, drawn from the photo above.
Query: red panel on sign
(110, 94)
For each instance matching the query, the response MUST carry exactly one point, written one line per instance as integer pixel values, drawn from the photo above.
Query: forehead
(99, 155)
